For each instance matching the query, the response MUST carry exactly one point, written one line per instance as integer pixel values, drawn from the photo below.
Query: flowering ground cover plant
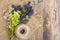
(18, 15)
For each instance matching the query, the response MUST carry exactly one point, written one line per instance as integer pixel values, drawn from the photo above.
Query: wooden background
(44, 21)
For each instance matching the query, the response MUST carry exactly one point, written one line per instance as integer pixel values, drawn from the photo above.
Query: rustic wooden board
(41, 23)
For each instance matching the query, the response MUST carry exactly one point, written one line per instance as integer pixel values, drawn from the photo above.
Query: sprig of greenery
(14, 21)
(15, 17)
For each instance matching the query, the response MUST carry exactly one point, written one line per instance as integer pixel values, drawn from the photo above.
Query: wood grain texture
(42, 23)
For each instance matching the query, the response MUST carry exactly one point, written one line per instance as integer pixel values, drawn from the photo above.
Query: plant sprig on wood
(18, 15)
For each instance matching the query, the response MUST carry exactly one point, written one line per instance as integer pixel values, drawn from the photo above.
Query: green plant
(17, 16)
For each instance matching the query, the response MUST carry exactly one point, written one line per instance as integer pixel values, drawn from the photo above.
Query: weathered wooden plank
(42, 23)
